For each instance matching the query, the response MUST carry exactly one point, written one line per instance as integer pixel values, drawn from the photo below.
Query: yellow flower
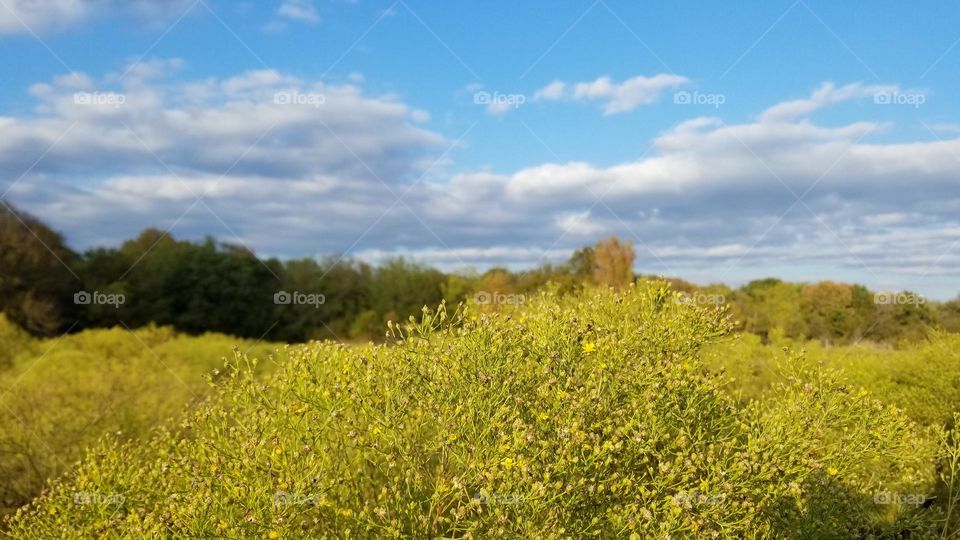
(507, 463)
(832, 471)
(589, 347)
(273, 534)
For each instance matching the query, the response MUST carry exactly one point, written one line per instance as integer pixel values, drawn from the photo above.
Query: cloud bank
(292, 167)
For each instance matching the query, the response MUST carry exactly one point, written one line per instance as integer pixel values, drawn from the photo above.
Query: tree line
(210, 286)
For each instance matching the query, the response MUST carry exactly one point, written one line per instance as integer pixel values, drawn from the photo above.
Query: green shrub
(15, 342)
(61, 395)
(921, 378)
(569, 417)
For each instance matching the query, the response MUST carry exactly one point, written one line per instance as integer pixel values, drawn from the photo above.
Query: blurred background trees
(210, 286)
(613, 263)
(35, 276)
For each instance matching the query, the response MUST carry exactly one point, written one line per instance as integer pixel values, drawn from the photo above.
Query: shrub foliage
(577, 416)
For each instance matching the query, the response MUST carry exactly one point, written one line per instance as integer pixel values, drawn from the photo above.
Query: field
(59, 396)
(597, 414)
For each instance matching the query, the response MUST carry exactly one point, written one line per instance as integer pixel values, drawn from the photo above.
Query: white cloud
(828, 94)
(617, 97)
(16, 16)
(552, 92)
(299, 10)
(579, 224)
(303, 179)
(26, 16)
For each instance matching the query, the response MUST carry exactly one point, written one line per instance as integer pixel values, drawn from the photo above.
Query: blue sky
(801, 139)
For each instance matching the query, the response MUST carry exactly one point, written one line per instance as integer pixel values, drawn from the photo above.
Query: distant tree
(343, 286)
(102, 270)
(36, 280)
(581, 264)
(458, 286)
(948, 315)
(613, 263)
(224, 288)
(767, 304)
(864, 312)
(902, 320)
(827, 308)
(151, 278)
(400, 288)
(496, 281)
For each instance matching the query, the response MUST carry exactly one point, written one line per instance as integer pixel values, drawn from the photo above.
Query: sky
(804, 139)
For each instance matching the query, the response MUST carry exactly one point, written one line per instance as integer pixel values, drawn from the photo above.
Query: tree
(36, 281)
(342, 285)
(766, 304)
(613, 263)
(828, 310)
(948, 315)
(581, 263)
(400, 288)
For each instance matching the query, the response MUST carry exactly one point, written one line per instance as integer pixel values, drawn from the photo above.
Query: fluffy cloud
(266, 149)
(296, 167)
(299, 10)
(617, 98)
(25, 16)
(828, 94)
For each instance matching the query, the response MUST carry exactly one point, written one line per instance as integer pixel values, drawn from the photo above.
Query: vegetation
(922, 379)
(595, 414)
(207, 286)
(58, 397)
(570, 400)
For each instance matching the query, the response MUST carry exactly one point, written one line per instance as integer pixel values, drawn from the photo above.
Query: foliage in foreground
(59, 396)
(573, 417)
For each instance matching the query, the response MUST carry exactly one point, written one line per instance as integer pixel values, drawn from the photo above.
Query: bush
(922, 378)
(62, 395)
(584, 416)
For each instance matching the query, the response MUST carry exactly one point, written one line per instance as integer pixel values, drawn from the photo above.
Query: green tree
(763, 305)
(400, 288)
(36, 280)
(827, 308)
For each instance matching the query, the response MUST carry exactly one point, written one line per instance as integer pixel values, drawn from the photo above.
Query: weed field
(601, 414)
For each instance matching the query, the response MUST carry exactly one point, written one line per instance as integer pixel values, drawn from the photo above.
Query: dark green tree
(37, 281)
